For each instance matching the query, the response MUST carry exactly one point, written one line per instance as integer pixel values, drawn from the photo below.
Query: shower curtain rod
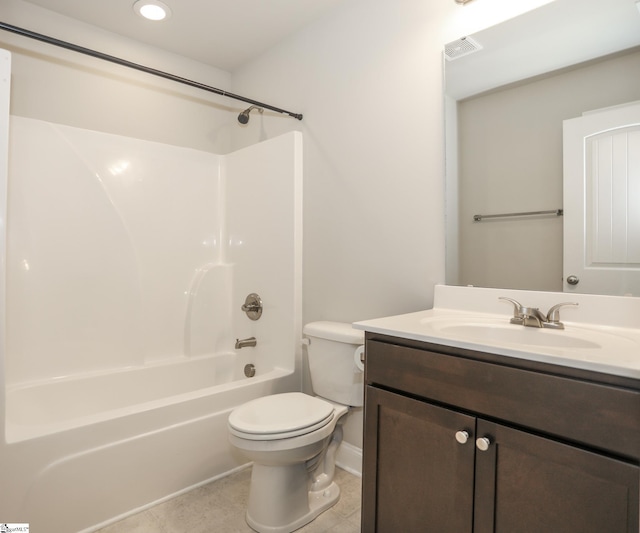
(142, 68)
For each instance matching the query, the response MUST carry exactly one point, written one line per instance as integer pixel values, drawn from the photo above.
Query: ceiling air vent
(461, 47)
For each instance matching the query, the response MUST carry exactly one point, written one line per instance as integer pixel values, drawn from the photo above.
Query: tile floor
(219, 507)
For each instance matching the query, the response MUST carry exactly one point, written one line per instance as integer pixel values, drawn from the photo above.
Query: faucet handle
(518, 317)
(553, 316)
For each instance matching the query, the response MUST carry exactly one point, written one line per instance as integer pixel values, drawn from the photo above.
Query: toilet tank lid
(334, 331)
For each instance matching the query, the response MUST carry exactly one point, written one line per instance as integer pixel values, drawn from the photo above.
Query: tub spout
(243, 343)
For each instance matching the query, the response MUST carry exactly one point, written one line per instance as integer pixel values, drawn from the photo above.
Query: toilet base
(319, 502)
(287, 510)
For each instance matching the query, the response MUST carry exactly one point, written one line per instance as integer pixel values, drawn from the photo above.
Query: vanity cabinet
(458, 441)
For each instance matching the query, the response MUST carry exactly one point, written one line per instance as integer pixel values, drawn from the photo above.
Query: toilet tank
(332, 351)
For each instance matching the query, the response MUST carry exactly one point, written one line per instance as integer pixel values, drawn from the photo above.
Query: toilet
(292, 438)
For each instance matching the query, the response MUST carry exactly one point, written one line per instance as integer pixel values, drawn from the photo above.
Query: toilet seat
(280, 416)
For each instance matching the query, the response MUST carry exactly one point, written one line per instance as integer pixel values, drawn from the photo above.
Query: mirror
(505, 104)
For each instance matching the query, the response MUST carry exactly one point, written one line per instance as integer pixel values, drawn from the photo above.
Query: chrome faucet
(533, 317)
(243, 343)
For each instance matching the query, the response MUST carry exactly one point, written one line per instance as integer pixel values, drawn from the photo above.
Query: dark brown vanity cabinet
(455, 443)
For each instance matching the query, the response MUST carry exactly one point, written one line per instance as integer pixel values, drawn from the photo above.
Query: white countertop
(587, 344)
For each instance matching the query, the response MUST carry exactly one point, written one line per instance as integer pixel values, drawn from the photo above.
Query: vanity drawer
(596, 415)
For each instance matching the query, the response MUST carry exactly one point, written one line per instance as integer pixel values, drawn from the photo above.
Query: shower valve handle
(252, 306)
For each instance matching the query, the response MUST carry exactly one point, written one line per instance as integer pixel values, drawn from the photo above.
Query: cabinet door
(416, 475)
(529, 484)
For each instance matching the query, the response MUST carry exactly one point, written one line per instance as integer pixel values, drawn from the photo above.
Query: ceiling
(221, 33)
(552, 37)
(228, 33)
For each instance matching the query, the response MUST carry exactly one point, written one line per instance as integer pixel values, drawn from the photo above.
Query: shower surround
(124, 267)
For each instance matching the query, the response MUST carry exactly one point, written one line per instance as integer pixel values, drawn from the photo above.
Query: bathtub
(39, 409)
(120, 441)
(118, 314)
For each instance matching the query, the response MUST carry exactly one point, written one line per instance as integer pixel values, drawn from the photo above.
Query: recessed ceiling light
(152, 9)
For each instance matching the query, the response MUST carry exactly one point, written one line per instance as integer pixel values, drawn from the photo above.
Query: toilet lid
(290, 412)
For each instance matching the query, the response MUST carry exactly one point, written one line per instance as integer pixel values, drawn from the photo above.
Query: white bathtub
(52, 406)
(86, 451)
(125, 267)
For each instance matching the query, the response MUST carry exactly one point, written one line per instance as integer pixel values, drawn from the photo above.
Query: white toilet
(292, 438)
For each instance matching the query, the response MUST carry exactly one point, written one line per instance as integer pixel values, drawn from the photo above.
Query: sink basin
(509, 333)
(499, 331)
(602, 334)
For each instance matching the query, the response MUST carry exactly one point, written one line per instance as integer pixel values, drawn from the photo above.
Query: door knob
(462, 437)
(483, 443)
(573, 280)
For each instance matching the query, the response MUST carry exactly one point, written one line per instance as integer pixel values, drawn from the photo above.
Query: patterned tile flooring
(219, 507)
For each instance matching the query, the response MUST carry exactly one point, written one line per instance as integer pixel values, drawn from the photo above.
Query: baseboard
(349, 458)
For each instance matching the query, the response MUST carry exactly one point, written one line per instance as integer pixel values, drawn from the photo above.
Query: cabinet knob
(462, 437)
(483, 443)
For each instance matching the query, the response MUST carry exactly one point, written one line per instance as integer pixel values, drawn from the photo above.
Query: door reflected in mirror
(505, 107)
